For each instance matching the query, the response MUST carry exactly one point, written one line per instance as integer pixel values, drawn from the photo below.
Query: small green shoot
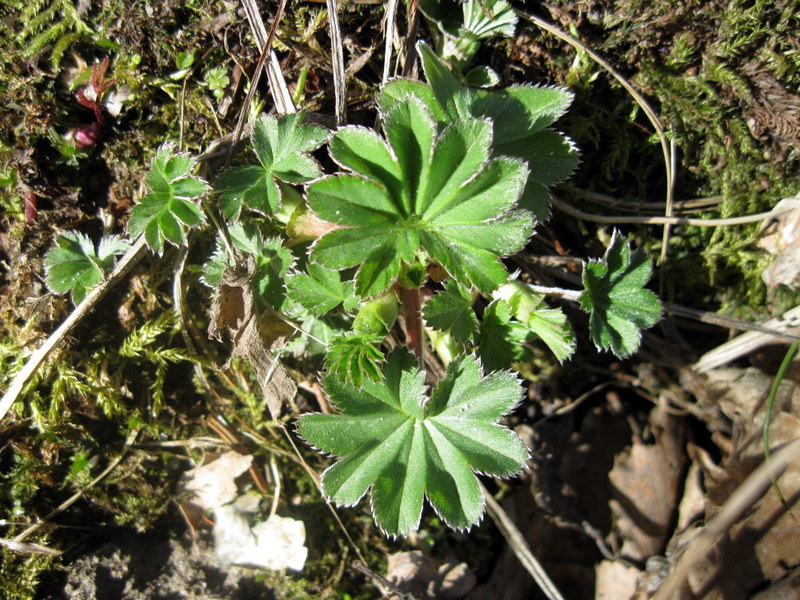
(401, 446)
(170, 206)
(216, 80)
(618, 305)
(74, 265)
(459, 38)
(272, 262)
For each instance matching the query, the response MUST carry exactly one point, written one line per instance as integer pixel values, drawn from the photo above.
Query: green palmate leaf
(321, 290)
(615, 298)
(74, 265)
(425, 189)
(402, 447)
(282, 146)
(272, 262)
(165, 212)
(355, 357)
(451, 310)
(520, 115)
(502, 339)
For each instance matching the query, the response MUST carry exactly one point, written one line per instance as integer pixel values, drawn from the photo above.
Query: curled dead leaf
(233, 308)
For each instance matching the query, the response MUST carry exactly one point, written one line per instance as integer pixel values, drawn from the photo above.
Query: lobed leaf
(614, 296)
(321, 290)
(520, 115)
(400, 447)
(282, 146)
(451, 310)
(74, 265)
(165, 212)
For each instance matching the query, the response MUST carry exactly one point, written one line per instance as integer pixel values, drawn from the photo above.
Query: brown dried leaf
(233, 308)
(646, 483)
(427, 578)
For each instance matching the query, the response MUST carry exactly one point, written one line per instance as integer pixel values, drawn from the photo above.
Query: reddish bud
(29, 206)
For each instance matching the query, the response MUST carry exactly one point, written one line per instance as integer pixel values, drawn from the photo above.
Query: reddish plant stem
(412, 316)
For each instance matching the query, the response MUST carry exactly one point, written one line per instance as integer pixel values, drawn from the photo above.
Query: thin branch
(616, 220)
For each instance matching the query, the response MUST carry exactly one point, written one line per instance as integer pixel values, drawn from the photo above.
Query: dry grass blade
(389, 28)
(739, 502)
(280, 92)
(410, 66)
(337, 58)
(747, 342)
(776, 330)
(519, 546)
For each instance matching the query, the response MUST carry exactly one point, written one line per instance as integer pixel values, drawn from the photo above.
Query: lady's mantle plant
(407, 241)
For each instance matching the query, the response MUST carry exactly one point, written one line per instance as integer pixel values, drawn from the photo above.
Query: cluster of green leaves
(452, 184)
(163, 214)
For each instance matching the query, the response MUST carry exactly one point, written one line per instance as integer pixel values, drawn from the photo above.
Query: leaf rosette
(425, 191)
(401, 446)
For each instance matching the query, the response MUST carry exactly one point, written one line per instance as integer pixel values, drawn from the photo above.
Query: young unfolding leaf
(502, 339)
(615, 298)
(354, 358)
(426, 190)
(402, 447)
(520, 116)
(321, 290)
(272, 262)
(170, 206)
(451, 310)
(549, 324)
(282, 146)
(459, 38)
(74, 265)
